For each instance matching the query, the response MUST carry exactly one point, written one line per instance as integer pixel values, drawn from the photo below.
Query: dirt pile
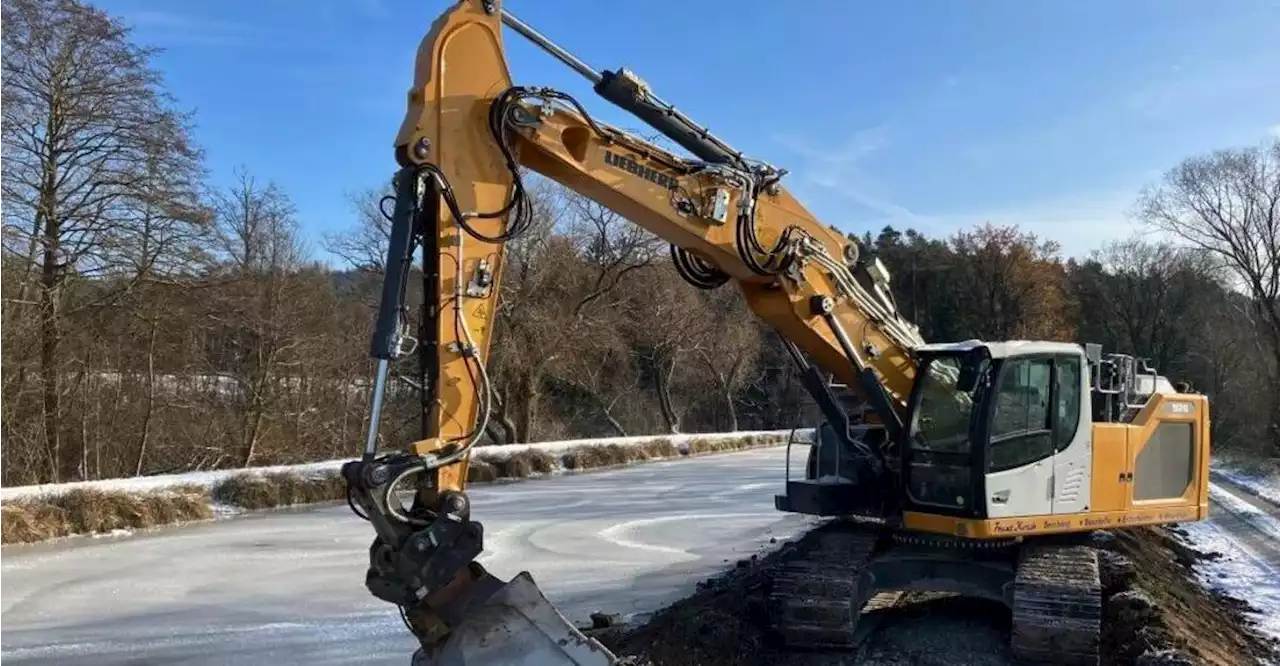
(1164, 617)
(725, 622)
(1155, 614)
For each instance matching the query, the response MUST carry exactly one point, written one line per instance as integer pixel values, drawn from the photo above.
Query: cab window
(1021, 431)
(1066, 418)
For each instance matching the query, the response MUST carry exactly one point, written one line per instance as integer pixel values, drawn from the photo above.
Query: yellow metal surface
(564, 148)
(1033, 525)
(1108, 489)
(447, 478)
(459, 68)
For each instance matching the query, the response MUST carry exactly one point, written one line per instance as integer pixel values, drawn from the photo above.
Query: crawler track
(815, 600)
(1057, 606)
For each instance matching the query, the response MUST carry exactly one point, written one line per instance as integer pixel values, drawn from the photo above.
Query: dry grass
(264, 491)
(524, 463)
(723, 444)
(600, 455)
(96, 512)
(479, 471)
(85, 511)
(659, 449)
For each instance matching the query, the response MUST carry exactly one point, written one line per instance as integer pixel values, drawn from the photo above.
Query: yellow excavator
(973, 467)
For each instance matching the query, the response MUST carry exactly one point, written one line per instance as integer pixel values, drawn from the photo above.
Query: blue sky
(933, 114)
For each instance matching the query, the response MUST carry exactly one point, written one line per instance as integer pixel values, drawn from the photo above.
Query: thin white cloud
(1205, 85)
(188, 30)
(374, 8)
(1274, 130)
(838, 169)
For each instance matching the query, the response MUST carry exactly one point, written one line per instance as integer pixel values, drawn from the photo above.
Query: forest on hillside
(153, 324)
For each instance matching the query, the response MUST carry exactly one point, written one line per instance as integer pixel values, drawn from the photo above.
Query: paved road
(288, 588)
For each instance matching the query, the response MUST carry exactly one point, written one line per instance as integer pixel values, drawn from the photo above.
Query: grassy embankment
(93, 511)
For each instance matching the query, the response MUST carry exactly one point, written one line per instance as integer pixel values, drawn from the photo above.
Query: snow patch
(1239, 573)
(1260, 477)
(1246, 511)
(118, 532)
(207, 479)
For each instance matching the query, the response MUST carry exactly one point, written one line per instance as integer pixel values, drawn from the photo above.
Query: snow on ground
(1264, 487)
(1246, 511)
(1240, 573)
(1251, 475)
(1247, 540)
(488, 453)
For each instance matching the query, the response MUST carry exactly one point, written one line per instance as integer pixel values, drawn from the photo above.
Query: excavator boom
(467, 134)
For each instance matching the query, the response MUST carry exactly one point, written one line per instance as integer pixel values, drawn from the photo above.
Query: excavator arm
(468, 134)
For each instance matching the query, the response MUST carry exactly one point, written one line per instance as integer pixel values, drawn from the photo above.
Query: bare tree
(1149, 297)
(665, 318)
(562, 284)
(1228, 203)
(611, 246)
(730, 346)
(100, 170)
(260, 319)
(601, 370)
(364, 247)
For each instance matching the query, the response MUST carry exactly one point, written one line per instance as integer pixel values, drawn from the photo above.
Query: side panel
(1072, 476)
(1022, 491)
(1108, 488)
(1164, 468)
(1167, 451)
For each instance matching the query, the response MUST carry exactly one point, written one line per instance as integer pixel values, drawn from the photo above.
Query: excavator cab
(988, 426)
(1016, 437)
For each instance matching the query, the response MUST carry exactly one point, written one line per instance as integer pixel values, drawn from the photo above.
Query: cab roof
(1002, 349)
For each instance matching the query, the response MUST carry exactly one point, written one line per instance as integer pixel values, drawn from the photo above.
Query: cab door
(1019, 434)
(1073, 444)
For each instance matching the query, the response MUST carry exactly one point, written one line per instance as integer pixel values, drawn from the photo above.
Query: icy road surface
(288, 587)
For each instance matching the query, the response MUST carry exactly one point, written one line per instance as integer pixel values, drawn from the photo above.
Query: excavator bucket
(517, 626)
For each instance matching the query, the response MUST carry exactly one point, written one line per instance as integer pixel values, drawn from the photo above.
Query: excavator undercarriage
(1053, 590)
(979, 468)
(1050, 584)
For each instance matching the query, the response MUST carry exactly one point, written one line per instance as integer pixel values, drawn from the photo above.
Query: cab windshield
(939, 469)
(942, 417)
